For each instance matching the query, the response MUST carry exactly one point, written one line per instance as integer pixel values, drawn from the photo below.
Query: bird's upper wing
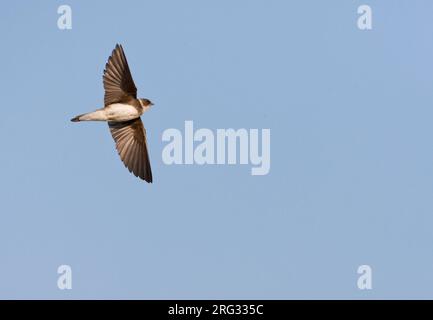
(131, 144)
(118, 83)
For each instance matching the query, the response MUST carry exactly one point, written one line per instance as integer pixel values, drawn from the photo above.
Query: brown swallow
(122, 111)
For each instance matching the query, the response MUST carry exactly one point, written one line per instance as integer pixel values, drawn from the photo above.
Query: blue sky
(351, 176)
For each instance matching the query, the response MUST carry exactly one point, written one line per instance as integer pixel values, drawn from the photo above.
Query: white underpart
(114, 112)
(121, 112)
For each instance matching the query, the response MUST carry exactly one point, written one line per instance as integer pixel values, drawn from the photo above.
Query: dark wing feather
(118, 82)
(131, 144)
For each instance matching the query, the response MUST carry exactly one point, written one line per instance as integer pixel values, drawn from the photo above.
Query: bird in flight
(122, 111)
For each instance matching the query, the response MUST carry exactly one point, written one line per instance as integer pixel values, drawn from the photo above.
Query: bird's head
(146, 103)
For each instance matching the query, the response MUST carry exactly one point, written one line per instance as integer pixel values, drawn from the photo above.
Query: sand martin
(122, 111)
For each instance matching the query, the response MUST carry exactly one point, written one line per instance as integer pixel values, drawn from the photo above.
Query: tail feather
(76, 119)
(98, 115)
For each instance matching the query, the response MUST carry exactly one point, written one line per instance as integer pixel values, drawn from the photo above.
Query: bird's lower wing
(131, 144)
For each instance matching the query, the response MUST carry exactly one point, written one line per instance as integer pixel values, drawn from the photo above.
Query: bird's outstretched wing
(118, 83)
(131, 144)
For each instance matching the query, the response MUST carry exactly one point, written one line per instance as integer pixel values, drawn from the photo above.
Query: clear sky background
(351, 178)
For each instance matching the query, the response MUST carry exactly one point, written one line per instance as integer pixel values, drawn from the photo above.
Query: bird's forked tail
(76, 119)
(98, 115)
